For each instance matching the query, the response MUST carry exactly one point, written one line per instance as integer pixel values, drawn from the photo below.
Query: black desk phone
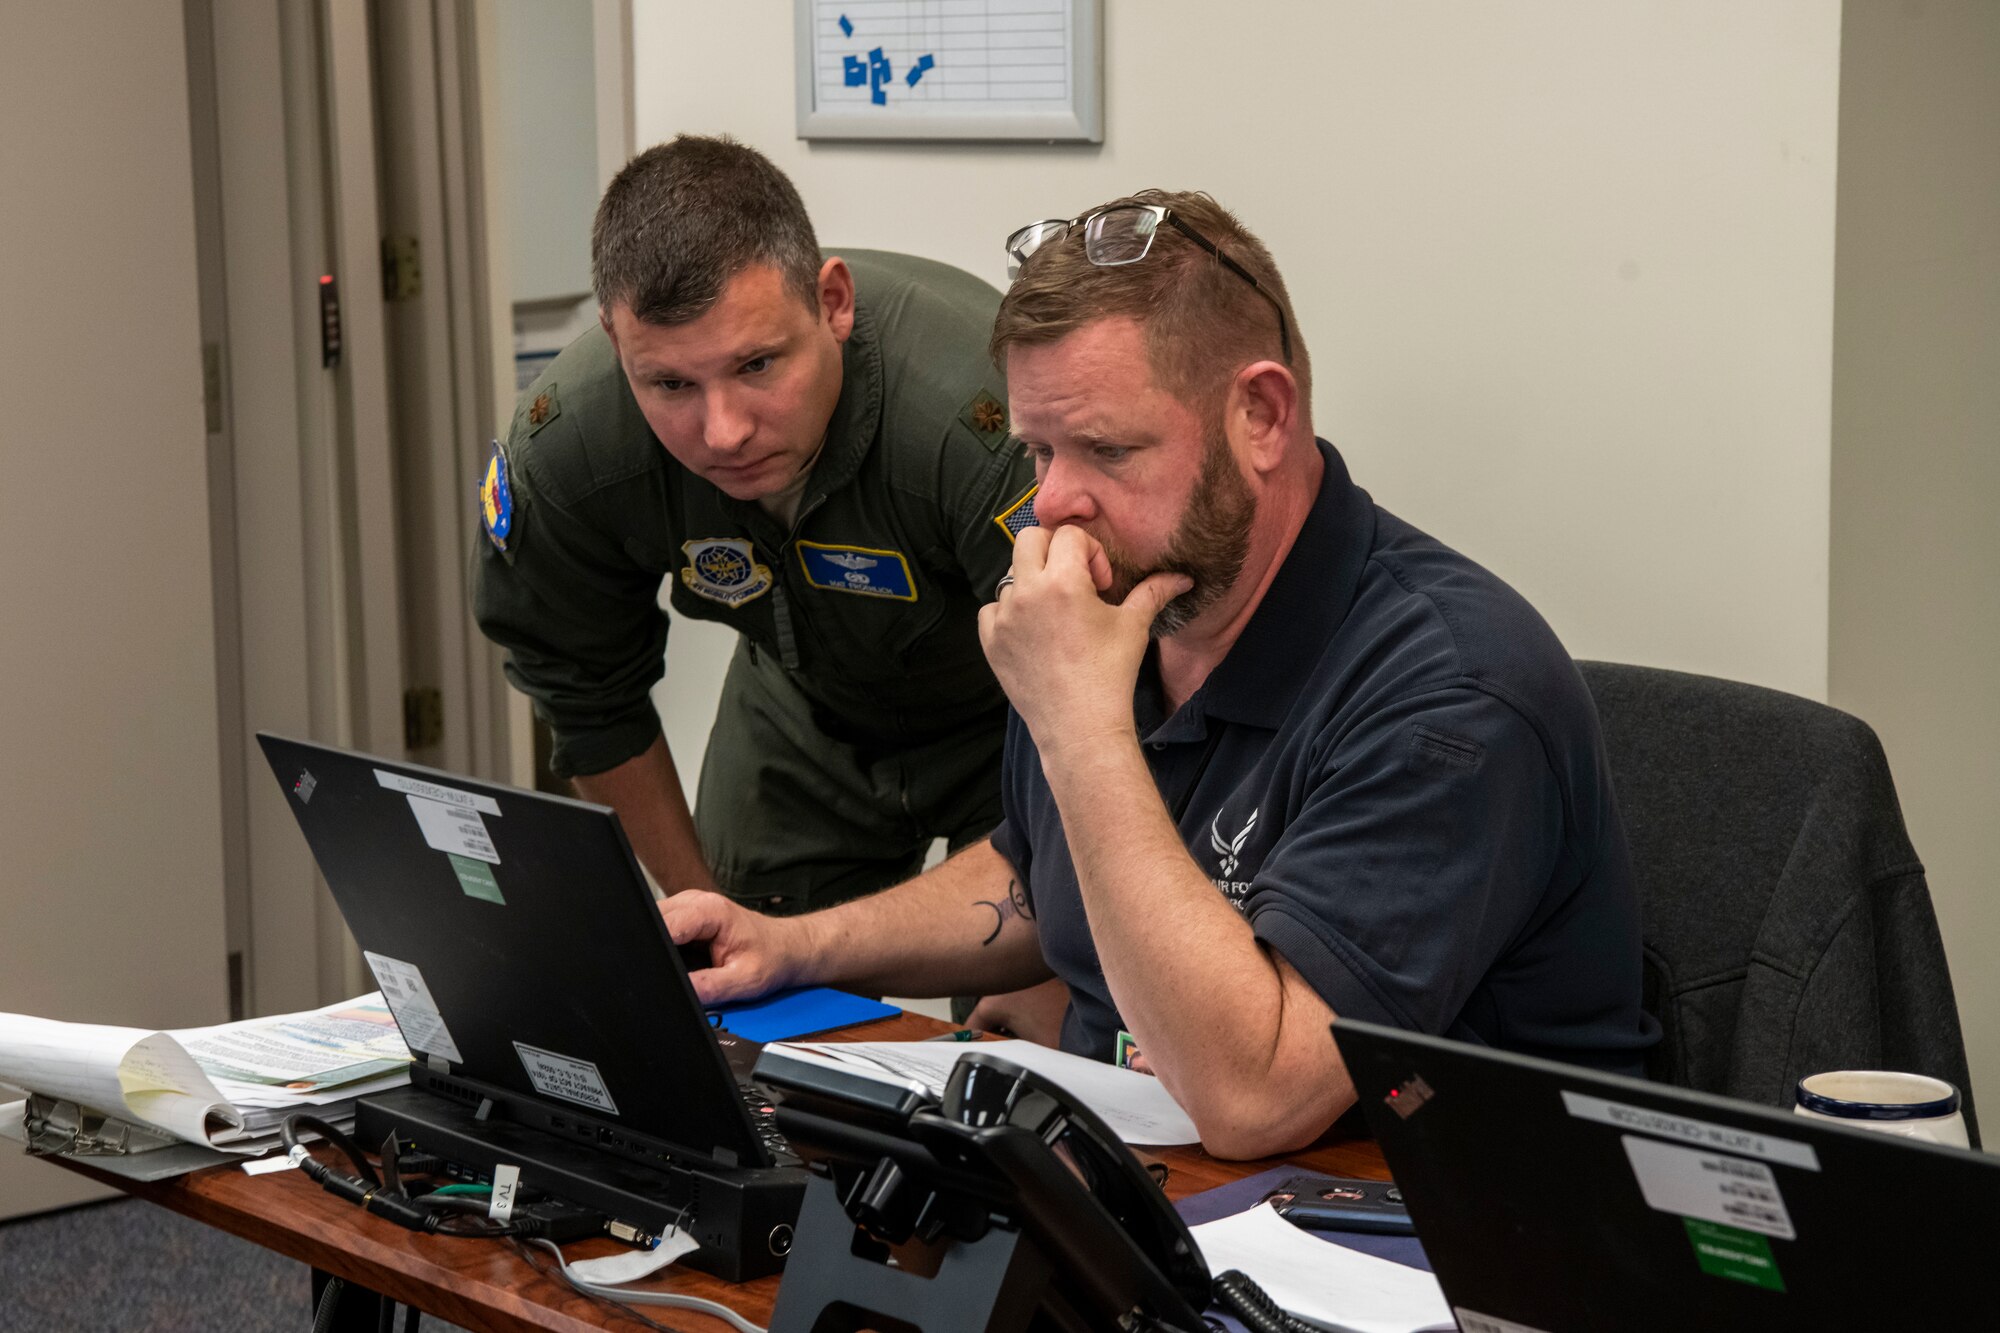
(1004, 1206)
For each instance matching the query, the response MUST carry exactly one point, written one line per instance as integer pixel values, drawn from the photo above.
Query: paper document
(1321, 1279)
(1136, 1106)
(226, 1087)
(324, 1048)
(125, 1072)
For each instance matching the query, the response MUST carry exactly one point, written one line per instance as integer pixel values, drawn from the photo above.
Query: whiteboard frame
(1081, 122)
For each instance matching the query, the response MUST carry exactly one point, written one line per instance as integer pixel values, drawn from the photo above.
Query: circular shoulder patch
(496, 499)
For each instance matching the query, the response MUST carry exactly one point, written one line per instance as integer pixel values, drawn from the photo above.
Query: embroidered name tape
(858, 569)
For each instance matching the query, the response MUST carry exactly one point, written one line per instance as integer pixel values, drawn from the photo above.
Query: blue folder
(797, 1013)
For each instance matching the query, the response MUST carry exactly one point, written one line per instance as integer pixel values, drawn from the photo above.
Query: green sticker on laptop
(476, 878)
(1743, 1256)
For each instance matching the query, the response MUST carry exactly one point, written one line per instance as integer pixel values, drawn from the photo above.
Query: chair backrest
(1788, 927)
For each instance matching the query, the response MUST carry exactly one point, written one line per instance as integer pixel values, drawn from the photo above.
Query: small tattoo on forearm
(1017, 893)
(1004, 909)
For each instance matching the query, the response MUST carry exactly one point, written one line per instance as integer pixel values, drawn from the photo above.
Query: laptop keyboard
(764, 1118)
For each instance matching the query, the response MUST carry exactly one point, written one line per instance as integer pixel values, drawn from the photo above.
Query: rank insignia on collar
(857, 569)
(725, 570)
(1019, 513)
(986, 417)
(496, 499)
(544, 408)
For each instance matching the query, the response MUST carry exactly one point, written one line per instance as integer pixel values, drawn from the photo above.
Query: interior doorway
(353, 382)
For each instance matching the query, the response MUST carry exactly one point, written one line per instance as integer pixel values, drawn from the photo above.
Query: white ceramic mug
(1915, 1106)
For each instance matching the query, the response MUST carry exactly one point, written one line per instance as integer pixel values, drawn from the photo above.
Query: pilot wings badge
(849, 561)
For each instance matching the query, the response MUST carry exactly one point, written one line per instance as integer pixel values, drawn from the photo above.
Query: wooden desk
(484, 1285)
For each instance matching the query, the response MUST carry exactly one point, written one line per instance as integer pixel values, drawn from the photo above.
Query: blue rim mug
(1915, 1106)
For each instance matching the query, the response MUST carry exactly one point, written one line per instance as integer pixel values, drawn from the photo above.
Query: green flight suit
(859, 718)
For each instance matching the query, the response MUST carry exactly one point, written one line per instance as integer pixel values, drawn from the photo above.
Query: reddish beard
(1209, 544)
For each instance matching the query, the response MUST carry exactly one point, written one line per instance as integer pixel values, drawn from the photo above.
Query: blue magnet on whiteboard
(924, 62)
(846, 28)
(879, 73)
(853, 71)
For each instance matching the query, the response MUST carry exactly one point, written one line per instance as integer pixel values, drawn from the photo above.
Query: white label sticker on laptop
(1712, 1186)
(1471, 1321)
(432, 791)
(451, 828)
(560, 1076)
(1694, 1133)
(409, 999)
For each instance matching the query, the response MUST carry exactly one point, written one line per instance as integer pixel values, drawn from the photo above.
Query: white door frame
(347, 494)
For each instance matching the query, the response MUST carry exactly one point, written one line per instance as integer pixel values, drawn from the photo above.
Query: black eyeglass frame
(1161, 213)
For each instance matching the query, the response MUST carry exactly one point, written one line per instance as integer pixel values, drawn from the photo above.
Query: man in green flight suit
(812, 450)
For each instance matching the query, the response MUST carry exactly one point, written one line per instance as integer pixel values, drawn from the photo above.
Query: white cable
(620, 1294)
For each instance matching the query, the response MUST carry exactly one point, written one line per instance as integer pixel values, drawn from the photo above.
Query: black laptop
(1553, 1199)
(519, 947)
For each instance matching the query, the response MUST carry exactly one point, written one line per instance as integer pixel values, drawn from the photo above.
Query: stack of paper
(227, 1087)
(1137, 1107)
(1322, 1280)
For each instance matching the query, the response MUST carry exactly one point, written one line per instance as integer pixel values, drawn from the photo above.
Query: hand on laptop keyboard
(751, 955)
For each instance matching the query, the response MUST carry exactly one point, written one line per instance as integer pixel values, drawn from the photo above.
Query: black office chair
(1788, 927)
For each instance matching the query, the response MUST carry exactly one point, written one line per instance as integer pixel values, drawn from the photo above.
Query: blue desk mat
(797, 1013)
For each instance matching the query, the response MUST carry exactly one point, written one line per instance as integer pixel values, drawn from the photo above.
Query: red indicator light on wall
(329, 322)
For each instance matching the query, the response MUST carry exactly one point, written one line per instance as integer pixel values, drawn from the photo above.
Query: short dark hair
(685, 217)
(1203, 323)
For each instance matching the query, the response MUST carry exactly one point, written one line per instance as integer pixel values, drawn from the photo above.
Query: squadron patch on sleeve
(1019, 513)
(858, 569)
(725, 570)
(496, 499)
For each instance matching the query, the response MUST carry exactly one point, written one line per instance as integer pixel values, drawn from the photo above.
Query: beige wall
(1566, 266)
(1916, 454)
(1568, 271)
(110, 824)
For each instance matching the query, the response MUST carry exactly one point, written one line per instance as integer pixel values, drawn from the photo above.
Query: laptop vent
(452, 1088)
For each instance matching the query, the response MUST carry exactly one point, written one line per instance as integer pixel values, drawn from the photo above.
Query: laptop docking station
(742, 1216)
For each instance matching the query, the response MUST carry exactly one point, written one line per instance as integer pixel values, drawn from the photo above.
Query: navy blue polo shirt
(1396, 776)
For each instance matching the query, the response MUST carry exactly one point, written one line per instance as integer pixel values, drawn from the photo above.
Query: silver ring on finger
(1006, 582)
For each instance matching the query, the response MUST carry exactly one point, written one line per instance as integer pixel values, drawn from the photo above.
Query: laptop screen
(517, 942)
(1551, 1198)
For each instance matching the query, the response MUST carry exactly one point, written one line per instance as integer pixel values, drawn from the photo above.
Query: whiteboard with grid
(950, 69)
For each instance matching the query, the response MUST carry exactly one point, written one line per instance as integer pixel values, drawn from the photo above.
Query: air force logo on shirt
(858, 569)
(724, 569)
(1228, 849)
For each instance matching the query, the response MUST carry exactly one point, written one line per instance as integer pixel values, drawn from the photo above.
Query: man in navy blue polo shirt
(1274, 754)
